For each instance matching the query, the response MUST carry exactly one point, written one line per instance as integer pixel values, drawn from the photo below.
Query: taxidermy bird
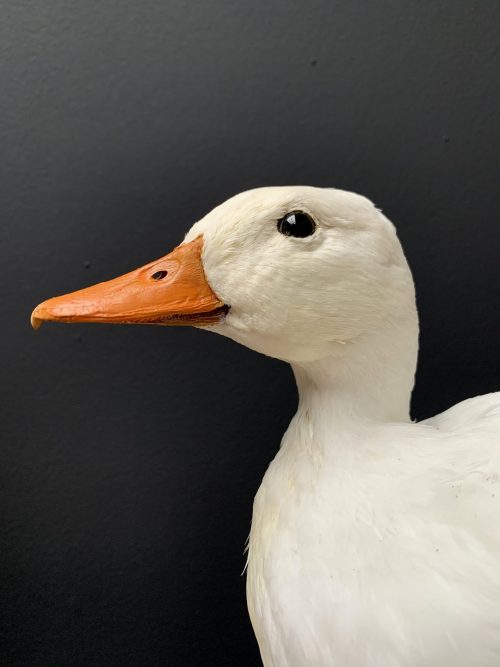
(375, 541)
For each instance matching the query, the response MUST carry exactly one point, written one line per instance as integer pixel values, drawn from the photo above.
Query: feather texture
(375, 541)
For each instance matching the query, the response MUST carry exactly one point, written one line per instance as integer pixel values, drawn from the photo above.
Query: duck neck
(369, 379)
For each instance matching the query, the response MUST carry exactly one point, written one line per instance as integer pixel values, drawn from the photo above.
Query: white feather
(375, 541)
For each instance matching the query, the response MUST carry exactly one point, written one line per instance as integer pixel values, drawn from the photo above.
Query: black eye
(296, 224)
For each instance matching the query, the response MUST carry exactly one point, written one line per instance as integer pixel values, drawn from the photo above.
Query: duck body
(378, 545)
(375, 541)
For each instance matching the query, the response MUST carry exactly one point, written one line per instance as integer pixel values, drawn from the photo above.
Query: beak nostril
(159, 275)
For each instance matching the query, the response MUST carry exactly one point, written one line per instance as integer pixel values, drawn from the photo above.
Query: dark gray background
(130, 455)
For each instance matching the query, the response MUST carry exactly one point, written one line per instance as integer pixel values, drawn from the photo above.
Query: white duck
(375, 541)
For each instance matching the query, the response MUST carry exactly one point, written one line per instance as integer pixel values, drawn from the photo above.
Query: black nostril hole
(159, 275)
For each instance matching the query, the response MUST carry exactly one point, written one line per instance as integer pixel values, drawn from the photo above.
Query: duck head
(296, 273)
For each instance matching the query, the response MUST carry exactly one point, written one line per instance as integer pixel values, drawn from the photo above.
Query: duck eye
(159, 275)
(296, 224)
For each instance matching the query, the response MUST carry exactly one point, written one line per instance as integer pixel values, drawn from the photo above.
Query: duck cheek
(258, 342)
(263, 342)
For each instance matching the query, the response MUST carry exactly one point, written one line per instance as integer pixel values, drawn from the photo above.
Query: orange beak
(171, 291)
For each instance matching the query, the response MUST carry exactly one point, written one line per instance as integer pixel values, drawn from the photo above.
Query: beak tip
(36, 318)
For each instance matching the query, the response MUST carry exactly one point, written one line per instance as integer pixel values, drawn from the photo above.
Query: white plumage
(375, 541)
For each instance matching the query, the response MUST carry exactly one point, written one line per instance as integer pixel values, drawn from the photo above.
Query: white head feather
(344, 293)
